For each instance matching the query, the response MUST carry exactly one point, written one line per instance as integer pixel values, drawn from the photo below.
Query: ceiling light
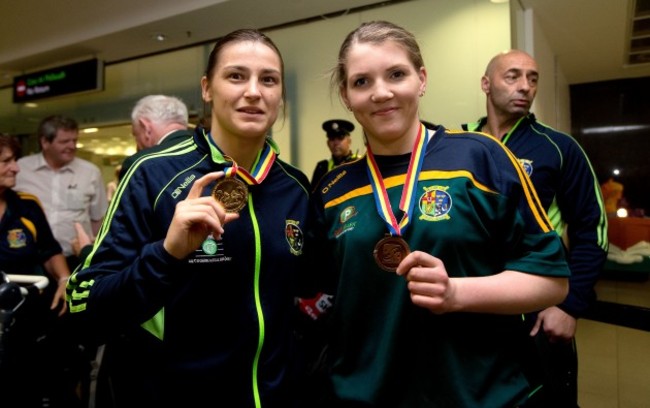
(498, 1)
(31, 105)
(613, 129)
(160, 37)
(90, 130)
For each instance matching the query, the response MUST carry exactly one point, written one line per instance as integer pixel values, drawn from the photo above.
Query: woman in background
(29, 372)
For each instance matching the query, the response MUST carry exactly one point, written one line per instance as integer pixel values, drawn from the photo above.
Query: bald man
(569, 192)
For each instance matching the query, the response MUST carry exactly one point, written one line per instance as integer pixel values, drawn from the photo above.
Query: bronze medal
(389, 252)
(232, 193)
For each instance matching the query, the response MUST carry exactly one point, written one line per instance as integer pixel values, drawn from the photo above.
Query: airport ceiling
(49, 33)
(594, 40)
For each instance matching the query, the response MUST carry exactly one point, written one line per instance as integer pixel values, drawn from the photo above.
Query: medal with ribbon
(391, 249)
(232, 192)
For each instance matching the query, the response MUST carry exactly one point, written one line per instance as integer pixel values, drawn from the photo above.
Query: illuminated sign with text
(85, 76)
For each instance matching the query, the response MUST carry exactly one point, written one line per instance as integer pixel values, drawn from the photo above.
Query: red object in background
(625, 232)
(316, 306)
(21, 88)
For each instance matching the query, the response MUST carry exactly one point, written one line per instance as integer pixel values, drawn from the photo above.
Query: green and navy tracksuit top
(214, 328)
(476, 210)
(568, 189)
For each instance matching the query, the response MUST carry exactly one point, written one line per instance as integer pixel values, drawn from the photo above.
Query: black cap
(337, 128)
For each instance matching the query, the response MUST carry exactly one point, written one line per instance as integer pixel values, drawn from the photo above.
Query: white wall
(552, 104)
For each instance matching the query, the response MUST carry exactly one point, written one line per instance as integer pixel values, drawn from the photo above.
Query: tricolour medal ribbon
(260, 169)
(408, 191)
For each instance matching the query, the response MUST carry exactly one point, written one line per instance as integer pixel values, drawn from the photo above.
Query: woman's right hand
(428, 282)
(195, 218)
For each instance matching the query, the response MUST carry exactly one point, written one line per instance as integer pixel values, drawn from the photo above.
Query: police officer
(338, 141)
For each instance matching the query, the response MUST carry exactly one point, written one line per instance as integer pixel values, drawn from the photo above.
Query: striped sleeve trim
(177, 149)
(529, 191)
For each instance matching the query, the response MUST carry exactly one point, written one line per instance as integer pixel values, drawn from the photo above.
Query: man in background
(569, 192)
(71, 189)
(338, 141)
(156, 120)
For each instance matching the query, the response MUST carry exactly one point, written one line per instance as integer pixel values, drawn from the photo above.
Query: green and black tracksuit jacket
(213, 327)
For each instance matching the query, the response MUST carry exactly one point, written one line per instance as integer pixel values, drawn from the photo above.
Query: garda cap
(337, 128)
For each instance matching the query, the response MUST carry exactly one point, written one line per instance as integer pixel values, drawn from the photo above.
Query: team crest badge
(435, 203)
(16, 238)
(527, 165)
(294, 236)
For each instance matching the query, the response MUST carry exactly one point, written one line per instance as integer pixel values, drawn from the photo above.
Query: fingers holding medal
(390, 251)
(232, 193)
